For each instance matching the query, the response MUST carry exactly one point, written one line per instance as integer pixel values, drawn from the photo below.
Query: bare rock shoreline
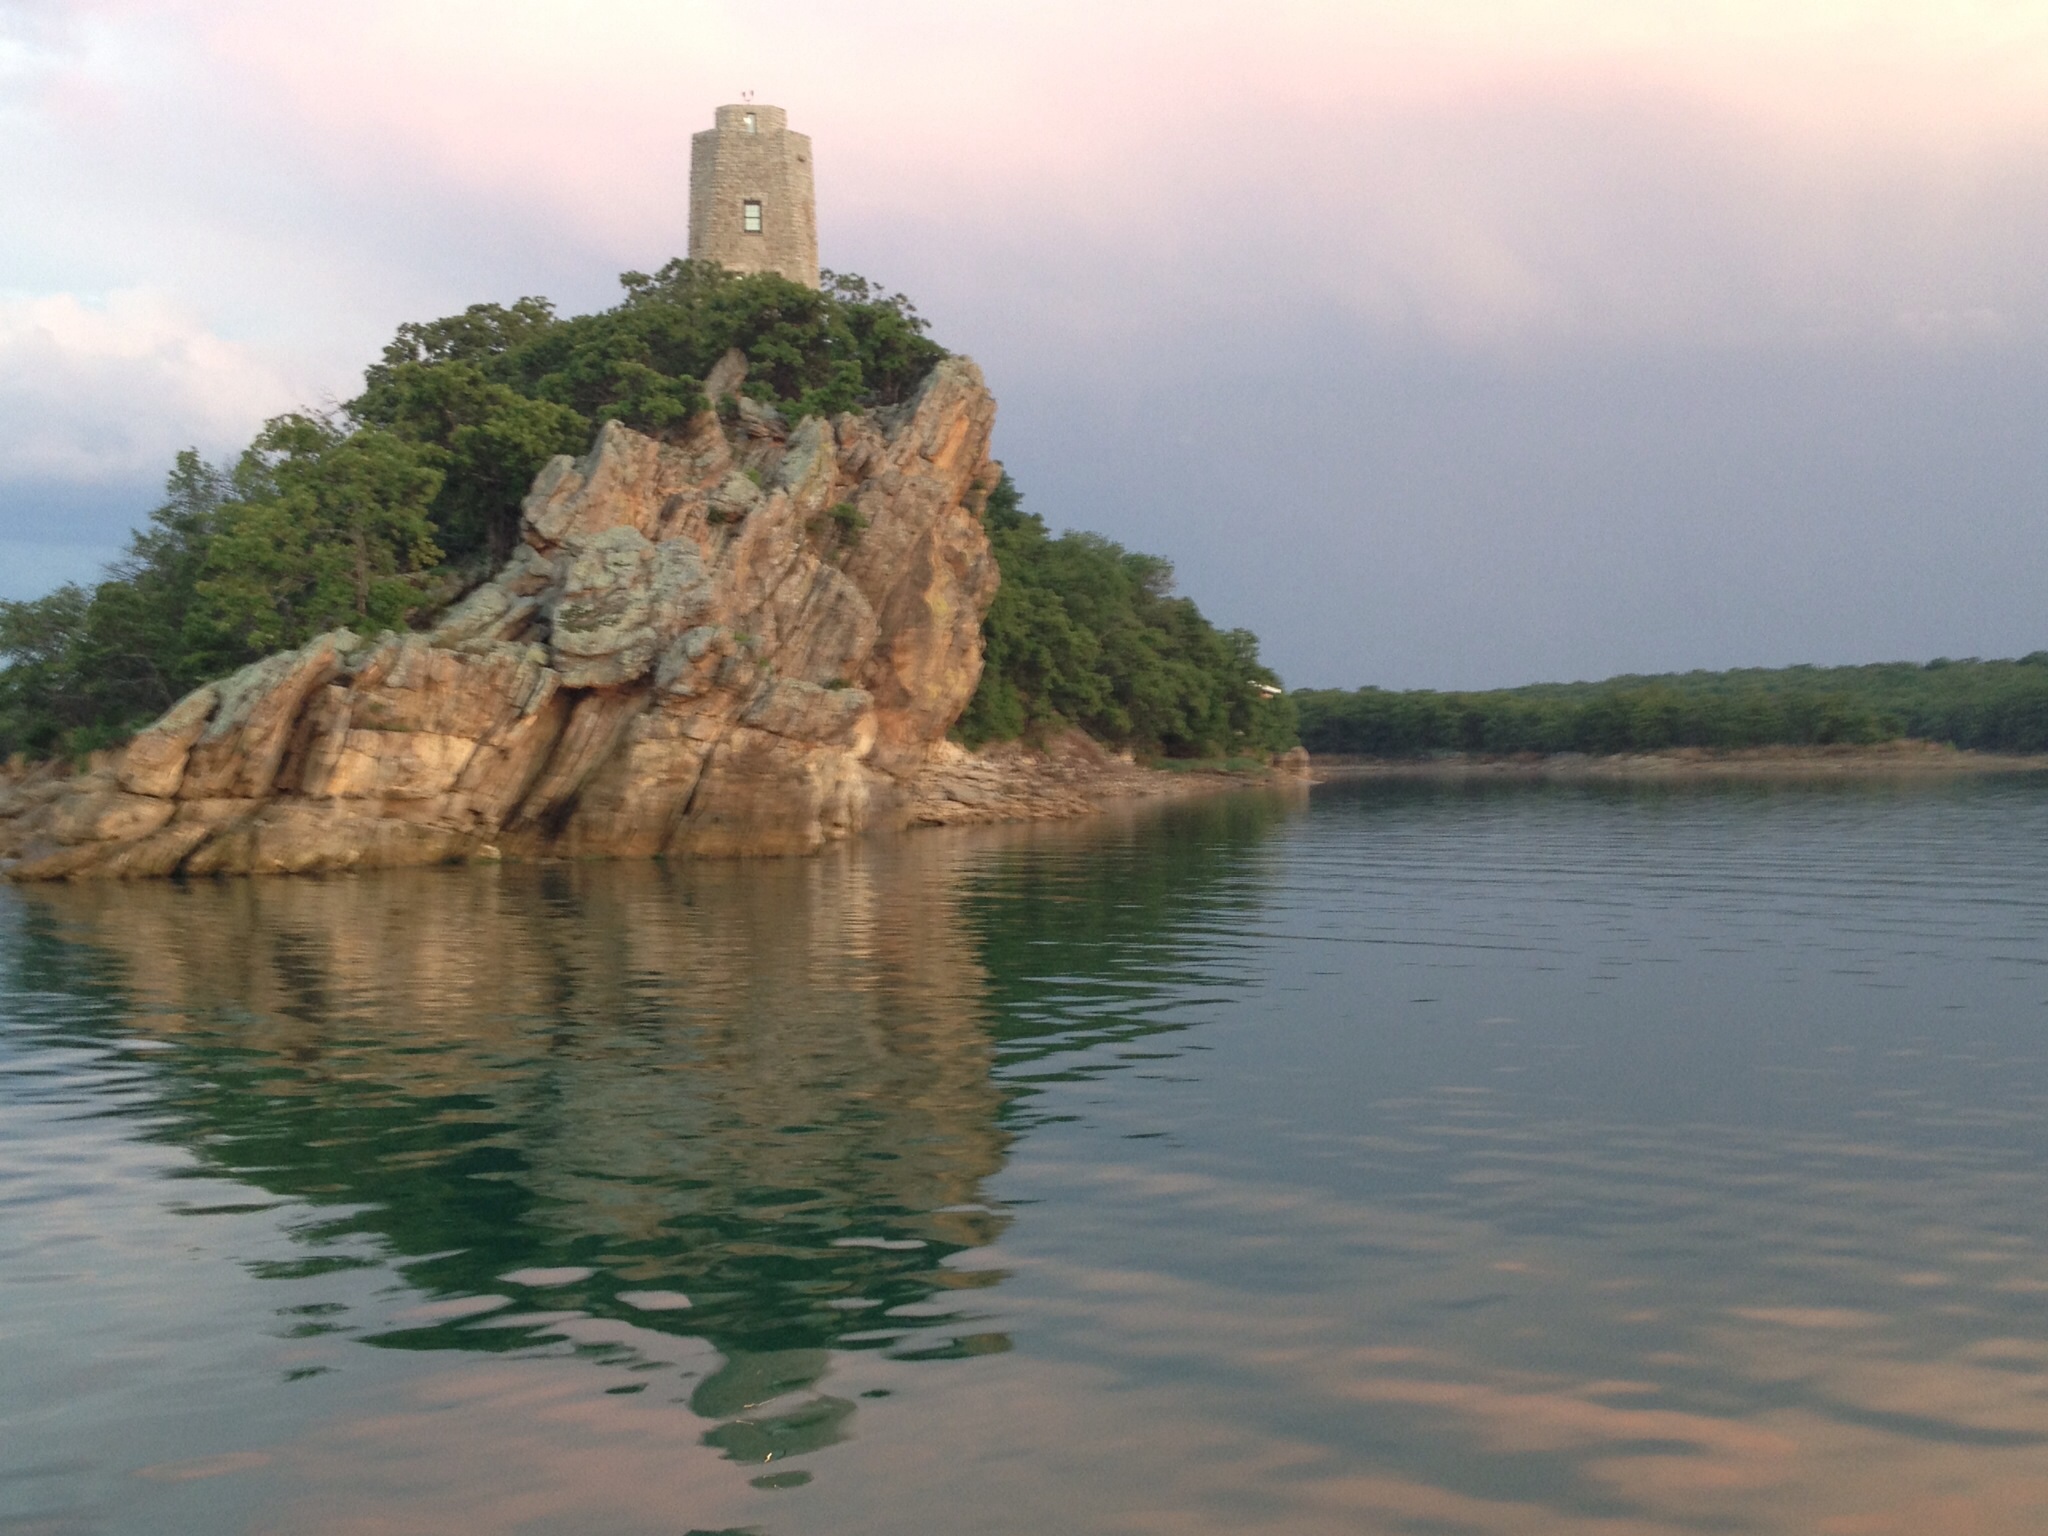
(1884, 760)
(1067, 778)
(1071, 775)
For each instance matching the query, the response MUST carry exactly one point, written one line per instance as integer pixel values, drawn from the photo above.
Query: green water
(1395, 1159)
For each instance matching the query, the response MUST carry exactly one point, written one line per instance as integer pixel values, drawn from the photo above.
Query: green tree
(131, 660)
(85, 665)
(328, 527)
(1986, 705)
(490, 442)
(1085, 633)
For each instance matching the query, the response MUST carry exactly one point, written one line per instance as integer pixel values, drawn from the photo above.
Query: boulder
(154, 762)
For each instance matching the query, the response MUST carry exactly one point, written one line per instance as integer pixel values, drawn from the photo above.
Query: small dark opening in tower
(750, 216)
(747, 122)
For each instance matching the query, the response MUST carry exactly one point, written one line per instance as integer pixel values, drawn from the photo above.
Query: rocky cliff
(749, 640)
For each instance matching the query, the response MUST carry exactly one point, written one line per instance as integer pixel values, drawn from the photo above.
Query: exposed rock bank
(749, 641)
(1072, 775)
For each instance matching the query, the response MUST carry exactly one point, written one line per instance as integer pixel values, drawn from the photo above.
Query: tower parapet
(753, 204)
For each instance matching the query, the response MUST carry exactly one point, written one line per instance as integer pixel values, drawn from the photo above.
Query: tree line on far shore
(1990, 706)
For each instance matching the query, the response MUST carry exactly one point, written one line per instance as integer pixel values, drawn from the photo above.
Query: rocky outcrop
(749, 640)
(1070, 775)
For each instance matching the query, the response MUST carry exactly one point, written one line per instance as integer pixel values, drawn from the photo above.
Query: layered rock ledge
(751, 640)
(1070, 775)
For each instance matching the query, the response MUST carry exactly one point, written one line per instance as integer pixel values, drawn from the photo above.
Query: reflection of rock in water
(737, 1389)
(750, 1104)
(763, 1087)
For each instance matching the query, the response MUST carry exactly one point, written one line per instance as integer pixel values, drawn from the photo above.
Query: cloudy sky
(1442, 342)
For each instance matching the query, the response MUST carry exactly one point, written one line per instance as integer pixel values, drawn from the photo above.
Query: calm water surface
(1406, 1159)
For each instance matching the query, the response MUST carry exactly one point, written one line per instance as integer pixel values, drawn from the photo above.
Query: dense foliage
(376, 515)
(1999, 706)
(491, 394)
(1084, 632)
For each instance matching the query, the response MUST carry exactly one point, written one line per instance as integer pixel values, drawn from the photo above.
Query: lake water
(1399, 1158)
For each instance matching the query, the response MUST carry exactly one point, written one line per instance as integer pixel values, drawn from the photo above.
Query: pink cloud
(1479, 170)
(1487, 173)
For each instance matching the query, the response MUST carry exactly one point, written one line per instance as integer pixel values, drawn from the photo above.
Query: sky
(1443, 343)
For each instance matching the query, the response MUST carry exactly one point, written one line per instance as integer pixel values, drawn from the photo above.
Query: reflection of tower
(752, 204)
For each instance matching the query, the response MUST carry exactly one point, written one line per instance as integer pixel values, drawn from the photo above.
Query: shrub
(1085, 633)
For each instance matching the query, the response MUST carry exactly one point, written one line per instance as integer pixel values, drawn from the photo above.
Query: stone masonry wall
(731, 164)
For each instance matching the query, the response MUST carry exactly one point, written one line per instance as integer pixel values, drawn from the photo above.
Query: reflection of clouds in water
(1797, 1368)
(1036, 1444)
(1437, 1306)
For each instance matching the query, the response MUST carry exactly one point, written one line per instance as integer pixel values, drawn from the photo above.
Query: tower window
(750, 217)
(747, 122)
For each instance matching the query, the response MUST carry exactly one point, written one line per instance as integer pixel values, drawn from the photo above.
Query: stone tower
(752, 206)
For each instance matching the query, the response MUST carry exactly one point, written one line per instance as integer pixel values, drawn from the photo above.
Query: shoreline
(1066, 780)
(1894, 759)
(1069, 777)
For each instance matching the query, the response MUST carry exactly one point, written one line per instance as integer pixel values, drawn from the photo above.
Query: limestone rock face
(696, 649)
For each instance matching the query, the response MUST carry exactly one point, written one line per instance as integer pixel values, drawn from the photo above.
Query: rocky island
(750, 638)
(684, 654)
(725, 569)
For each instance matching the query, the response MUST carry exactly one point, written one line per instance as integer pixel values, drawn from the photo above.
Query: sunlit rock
(693, 650)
